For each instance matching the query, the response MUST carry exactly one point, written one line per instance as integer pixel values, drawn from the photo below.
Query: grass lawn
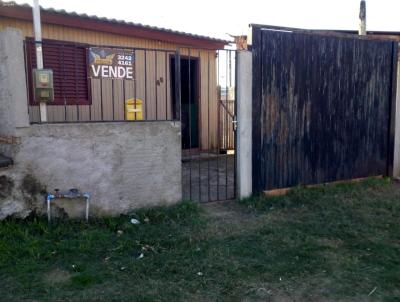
(335, 243)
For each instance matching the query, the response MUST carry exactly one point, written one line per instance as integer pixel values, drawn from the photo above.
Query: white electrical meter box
(43, 85)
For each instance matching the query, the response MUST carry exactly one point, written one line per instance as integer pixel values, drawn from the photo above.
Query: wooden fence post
(363, 18)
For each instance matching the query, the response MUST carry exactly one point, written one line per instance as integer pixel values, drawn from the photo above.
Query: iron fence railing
(149, 96)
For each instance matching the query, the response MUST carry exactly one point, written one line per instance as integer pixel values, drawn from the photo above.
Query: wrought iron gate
(205, 85)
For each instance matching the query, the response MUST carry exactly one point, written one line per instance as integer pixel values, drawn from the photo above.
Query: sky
(217, 18)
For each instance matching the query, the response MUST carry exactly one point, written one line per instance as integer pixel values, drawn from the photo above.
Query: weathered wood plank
(285, 191)
(258, 180)
(392, 125)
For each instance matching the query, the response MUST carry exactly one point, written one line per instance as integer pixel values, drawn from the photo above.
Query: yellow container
(134, 110)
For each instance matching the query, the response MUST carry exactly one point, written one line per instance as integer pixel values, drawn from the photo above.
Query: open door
(189, 78)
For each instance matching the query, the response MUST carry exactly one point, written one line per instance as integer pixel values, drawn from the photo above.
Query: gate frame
(178, 112)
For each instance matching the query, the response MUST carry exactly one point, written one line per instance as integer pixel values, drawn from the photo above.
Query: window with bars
(69, 64)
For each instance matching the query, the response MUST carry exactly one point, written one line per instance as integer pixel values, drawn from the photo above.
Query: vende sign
(111, 63)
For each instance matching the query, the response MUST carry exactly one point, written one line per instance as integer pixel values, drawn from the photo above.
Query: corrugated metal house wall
(160, 92)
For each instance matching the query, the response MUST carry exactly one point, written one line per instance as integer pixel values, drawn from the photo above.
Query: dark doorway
(189, 78)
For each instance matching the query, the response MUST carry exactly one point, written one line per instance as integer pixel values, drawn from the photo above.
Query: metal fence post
(177, 113)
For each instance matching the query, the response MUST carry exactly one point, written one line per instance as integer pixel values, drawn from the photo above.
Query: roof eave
(113, 27)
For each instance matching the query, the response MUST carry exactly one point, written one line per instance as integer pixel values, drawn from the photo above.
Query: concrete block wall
(123, 165)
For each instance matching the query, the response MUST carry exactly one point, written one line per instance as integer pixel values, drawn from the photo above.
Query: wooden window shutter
(69, 65)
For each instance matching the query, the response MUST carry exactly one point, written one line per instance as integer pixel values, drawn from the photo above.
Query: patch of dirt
(313, 289)
(56, 276)
(222, 210)
(270, 295)
(227, 212)
(331, 243)
(228, 217)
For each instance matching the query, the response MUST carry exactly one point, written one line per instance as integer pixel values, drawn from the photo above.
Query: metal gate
(205, 85)
(323, 107)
